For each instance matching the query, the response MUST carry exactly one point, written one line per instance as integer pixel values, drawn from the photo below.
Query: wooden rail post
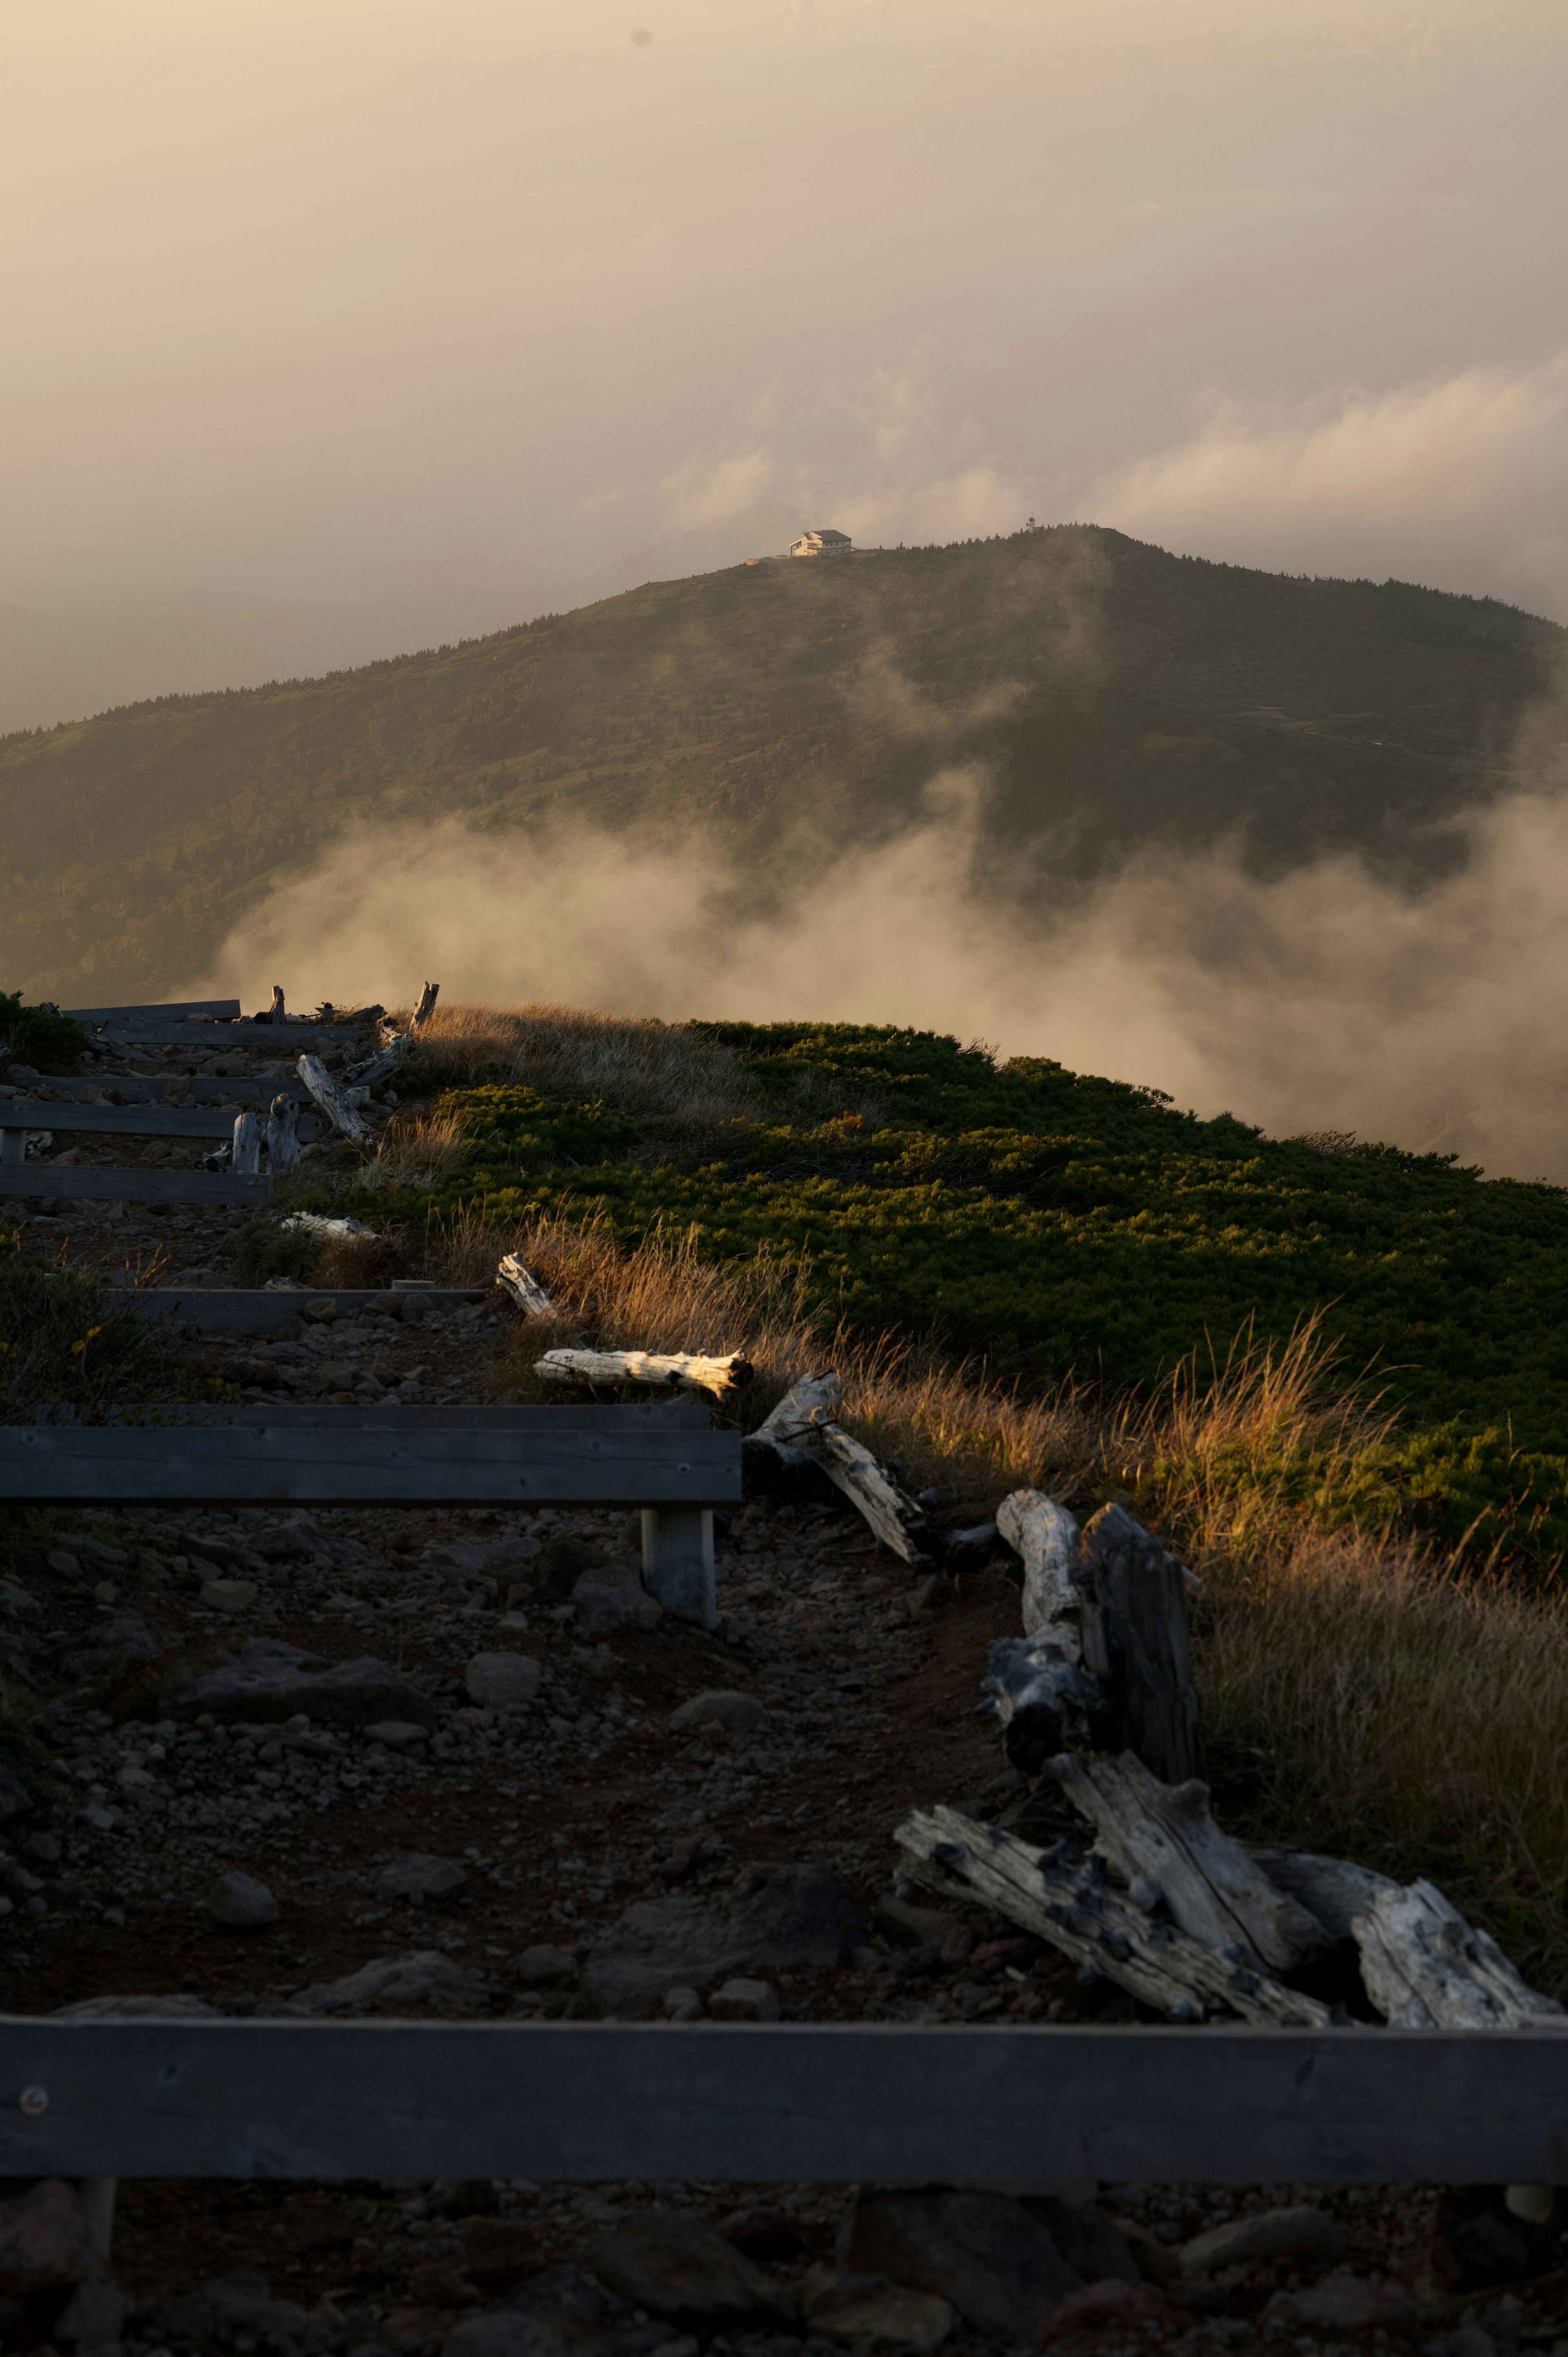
(678, 1560)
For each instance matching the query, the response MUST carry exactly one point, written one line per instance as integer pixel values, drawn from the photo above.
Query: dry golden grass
(1362, 1698)
(638, 1064)
(1360, 1695)
(418, 1154)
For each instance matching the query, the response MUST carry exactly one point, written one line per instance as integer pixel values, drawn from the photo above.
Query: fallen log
(1334, 1889)
(283, 1136)
(524, 1288)
(1161, 1840)
(1083, 1914)
(1425, 1968)
(678, 1370)
(803, 1430)
(337, 1103)
(386, 1061)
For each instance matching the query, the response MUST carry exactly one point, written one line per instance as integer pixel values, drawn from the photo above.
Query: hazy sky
(338, 326)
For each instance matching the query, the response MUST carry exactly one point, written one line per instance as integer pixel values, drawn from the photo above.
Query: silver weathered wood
(1333, 1890)
(427, 1007)
(1047, 1540)
(13, 1143)
(804, 1429)
(1091, 1921)
(245, 1157)
(260, 1310)
(129, 1120)
(1161, 1838)
(279, 1012)
(678, 1562)
(283, 1136)
(812, 2102)
(683, 1369)
(523, 1287)
(79, 1182)
(1135, 1643)
(345, 1462)
(173, 1011)
(1424, 1966)
(335, 1103)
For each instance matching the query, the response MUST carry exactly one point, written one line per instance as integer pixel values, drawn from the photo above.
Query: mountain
(1115, 694)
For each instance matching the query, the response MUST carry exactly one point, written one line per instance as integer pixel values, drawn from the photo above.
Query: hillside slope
(1116, 693)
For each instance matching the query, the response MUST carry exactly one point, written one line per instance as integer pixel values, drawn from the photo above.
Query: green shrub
(49, 1041)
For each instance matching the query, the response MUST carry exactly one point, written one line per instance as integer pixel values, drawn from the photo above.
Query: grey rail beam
(264, 1039)
(174, 1011)
(333, 1458)
(87, 1182)
(852, 2102)
(260, 1309)
(130, 1121)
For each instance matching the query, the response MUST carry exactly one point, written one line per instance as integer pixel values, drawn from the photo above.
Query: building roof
(822, 531)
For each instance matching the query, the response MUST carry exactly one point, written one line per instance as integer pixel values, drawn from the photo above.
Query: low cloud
(1327, 999)
(1461, 481)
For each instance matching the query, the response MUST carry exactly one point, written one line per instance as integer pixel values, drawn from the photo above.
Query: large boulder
(982, 2252)
(773, 1917)
(269, 1680)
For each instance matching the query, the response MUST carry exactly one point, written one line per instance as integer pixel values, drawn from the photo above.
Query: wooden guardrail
(99, 1182)
(160, 1011)
(886, 2102)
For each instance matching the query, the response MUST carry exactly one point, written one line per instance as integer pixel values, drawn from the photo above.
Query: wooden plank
(348, 1464)
(172, 1010)
(129, 1120)
(236, 1091)
(256, 1309)
(262, 1039)
(79, 1182)
(829, 2102)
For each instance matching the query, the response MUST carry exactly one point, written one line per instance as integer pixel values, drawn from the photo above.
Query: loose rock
(242, 1903)
(737, 1714)
(1345, 2304)
(774, 1916)
(273, 1680)
(1303, 2233)
(743, 2000)
(981, 2252)
(683, 2270)
(857, 2310)
(503, 1681)
(425, 1978)
(544, 1962)
(428, 1881)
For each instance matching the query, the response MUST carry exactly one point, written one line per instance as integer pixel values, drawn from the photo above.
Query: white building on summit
(821, 544)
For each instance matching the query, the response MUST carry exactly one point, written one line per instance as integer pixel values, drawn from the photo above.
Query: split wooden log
(1333, 1890)
(676, 1370)
(1049, 1540)
(524, 1288)
(337, 1103)
(1161, 1842)
(1425, 1968)
(245, 1155)
(1135, 1643)
(803, 1429)
(427, 1007)
(1083, 1914)
(283, 1136)
(384, 1063)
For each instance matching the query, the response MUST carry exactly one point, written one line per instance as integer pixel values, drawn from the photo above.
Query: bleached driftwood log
(1333, 1890)
(283, 1136)
(1161, 1840)
(1425, 1968)
(427, 1007)
(1091, 1921)
(386, 1061)
(524, 1288)
(1135, 1643)
(1043, 1695)
(337, 1103)
(804, 1429)
(245, 1155)
(317, 1224)
(1050, 1542)
(680, 1370)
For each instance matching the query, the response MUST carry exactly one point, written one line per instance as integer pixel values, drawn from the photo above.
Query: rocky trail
(348, 1762)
